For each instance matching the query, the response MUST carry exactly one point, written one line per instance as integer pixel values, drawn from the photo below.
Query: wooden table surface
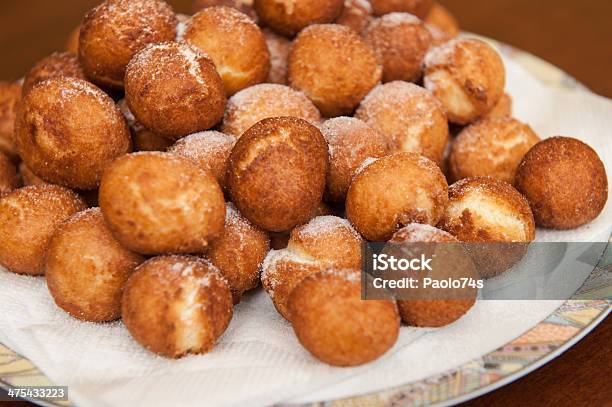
(574, 35)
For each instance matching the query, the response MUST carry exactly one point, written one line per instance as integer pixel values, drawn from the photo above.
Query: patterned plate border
(542, 343)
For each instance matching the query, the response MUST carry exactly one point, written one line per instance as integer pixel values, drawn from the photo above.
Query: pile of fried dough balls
(148, 170)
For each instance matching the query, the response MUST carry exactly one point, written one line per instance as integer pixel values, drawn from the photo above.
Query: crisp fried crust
(289, 17)
(239, 252)
(491, 147)
(234, 43)
(351, 142)
(28, 219)
(276, 172)
(564, 181)
(58, 64)
(68, 131)
(394, 191)
(86, 268)
(114, 31)
(174, 90)
(158, 203)
(175, 305)
(334, 324)
(334, 67)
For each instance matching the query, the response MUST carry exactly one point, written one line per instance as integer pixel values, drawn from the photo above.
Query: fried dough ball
(491, 147)
(289, 18)
(409, 116)
(325, 241)
(114, 31)
(485, 209)
(281, 240)
(244, 6)
(175, 305)
(442, 307)
(401, 40)
(394, 191)
(239, 252)
(142, 138)
(8, 175)
(468, 76)
(503, 108)
(334, 67)
(58, 64)
(350, 142)
(86, 268)
(210, 150)
(72, 42)
(234, 43)
(28, 177)
(174, 90)
(68, 131)
(276, 172)
(442, 21)
(279, 48)
(259, 102)
(494, 218)
(10, 95)
(564, 181)
(419, 8)
(28, 218)
(161, 203)
(356, 15)
(334, 324)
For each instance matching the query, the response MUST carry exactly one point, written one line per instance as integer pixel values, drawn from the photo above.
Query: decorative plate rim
(561, 330)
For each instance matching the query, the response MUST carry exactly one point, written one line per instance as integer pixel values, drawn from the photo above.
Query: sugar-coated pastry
(401, 40)
(115, 30)
(210, 150)
(244, 6)
(324, 242)
(350, 142)
(239, 252)
(334, 67)
(436, 307)
(174, 90)
(442, 22)
(409, 116)
(467, 75)
(281, 240)
(176, 305)
(394, 191)
(234, 43)
(58, 64)
(157, 203)
(276, 172)
(288, 18)
(143, 139)
(28, 218)
(9, 179)
(491, 147)
(503, 108)
(485, 209)
(564, 181)
(10, 95)
(278, 47)
(28, 177)
(68, 131)
(86, 268)
(419, 8)
(356, 14)
(259, 102)
(335, 325)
